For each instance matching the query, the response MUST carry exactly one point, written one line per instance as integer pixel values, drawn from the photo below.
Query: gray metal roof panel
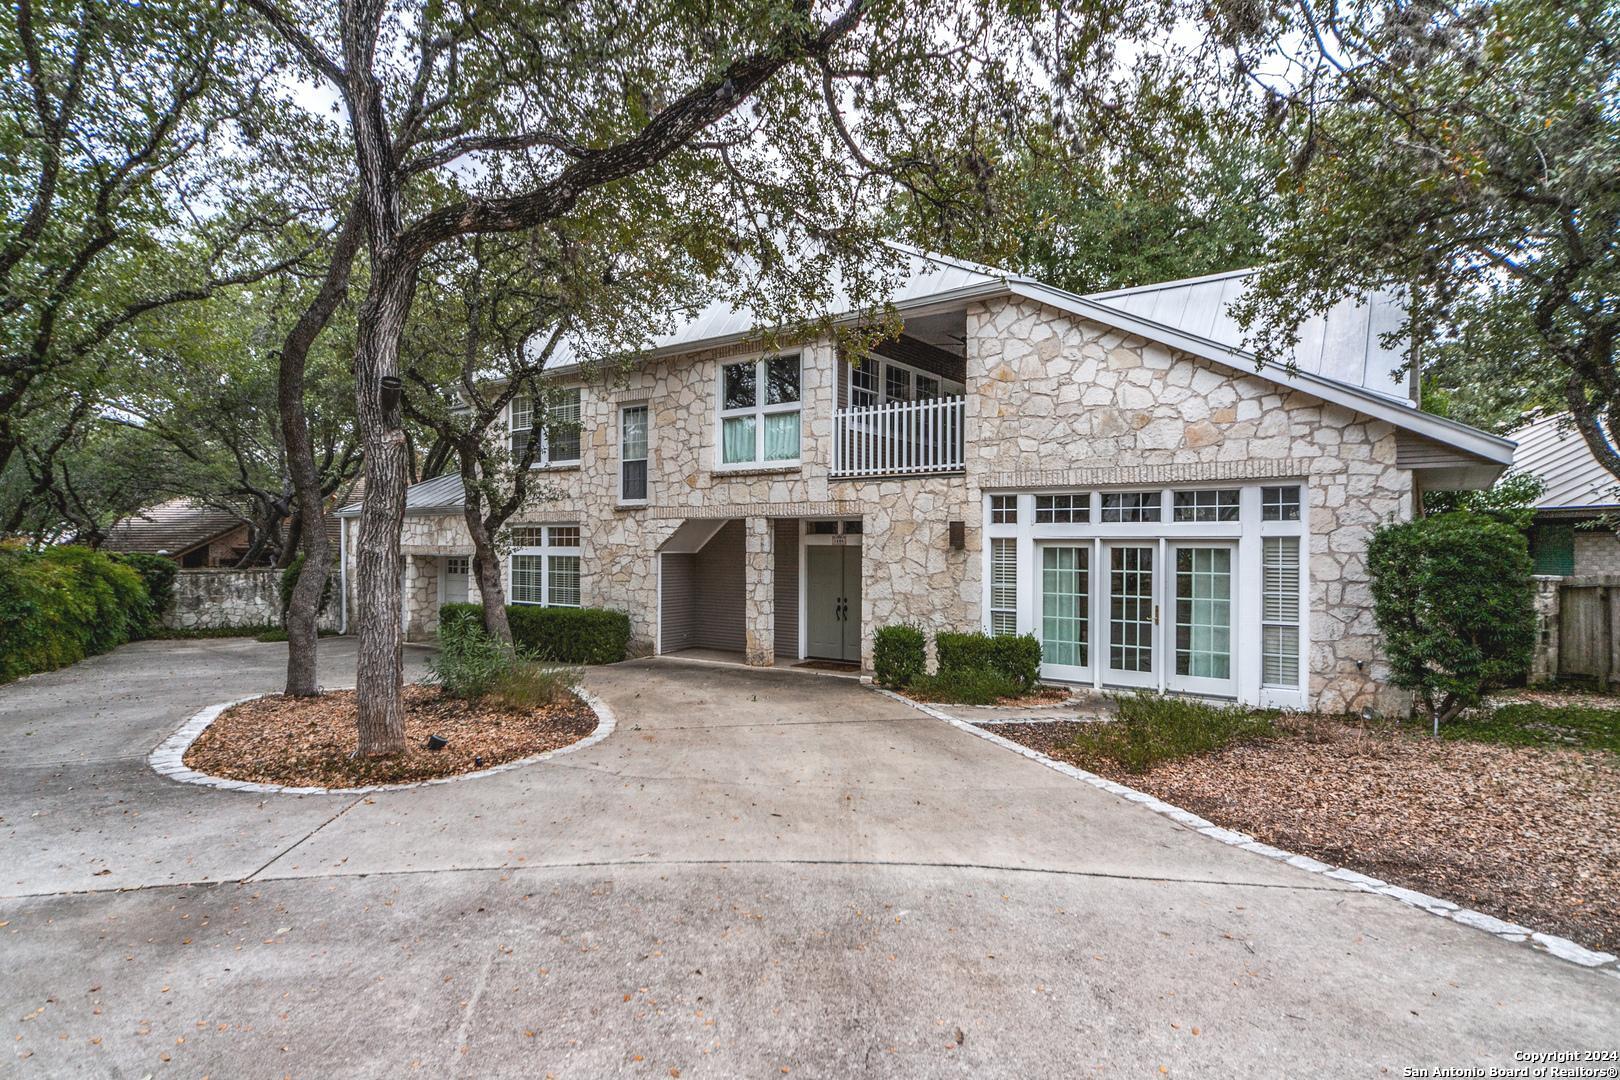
(1552, 449)
(440, 493)
(1344, 344)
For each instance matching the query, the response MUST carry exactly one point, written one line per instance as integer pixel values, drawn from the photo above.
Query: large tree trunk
(303, 611)
(379, 674)
(486, 561)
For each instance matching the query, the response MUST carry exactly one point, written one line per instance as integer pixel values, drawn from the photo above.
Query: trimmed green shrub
(1151, 729)
(561, 635)
(63, 604)
(964, 686)
(157, 573)
(1016, 658)
(1452, 596)
(899, 654)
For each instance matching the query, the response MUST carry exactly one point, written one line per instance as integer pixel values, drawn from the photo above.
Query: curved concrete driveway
(759, 872)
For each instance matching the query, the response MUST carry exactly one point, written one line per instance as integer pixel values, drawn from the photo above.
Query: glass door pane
(1132, 617)
(1203, 619)
(1065, 610)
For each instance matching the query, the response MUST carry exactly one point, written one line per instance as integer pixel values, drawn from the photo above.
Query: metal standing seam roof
(1552, 449)
(440, 493)
(1345, 344)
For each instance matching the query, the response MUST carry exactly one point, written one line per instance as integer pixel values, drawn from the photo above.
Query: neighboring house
(196, 537)
(1569, 537)
(1109, 473)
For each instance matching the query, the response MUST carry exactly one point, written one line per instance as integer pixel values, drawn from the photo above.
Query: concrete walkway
(758, 872)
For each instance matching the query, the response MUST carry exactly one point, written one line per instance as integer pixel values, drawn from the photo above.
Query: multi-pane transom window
(1208, 505)
(1279, 611)
(1131, 506)
(1279, 503)
(876, 381)
(759, 411)
(558, 435)
(633, 454)
(1004, 509)
(545, 565)
(1003, 586)
(896, 383)
(1064, 508)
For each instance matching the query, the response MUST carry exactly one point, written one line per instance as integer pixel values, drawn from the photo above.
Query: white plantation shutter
(1279, 611)
(1003, 586)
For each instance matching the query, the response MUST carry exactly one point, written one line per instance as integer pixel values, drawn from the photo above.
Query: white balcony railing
(904, 438)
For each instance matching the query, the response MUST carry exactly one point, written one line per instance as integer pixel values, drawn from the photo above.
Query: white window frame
(646, 459)
(543, 459)
(947, 387)
(759, 411)
(1247, 533)
(550, 547)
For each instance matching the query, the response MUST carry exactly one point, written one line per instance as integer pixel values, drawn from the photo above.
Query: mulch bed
(1528, 835)
(1038, 698)
(307, 742)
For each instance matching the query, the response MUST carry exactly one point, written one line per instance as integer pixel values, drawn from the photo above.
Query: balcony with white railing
(900, 438)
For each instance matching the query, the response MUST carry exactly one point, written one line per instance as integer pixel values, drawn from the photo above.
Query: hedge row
(565, 635)
(62, 604)
(898, 656)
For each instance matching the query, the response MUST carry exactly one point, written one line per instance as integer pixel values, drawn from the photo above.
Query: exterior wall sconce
(958, 535)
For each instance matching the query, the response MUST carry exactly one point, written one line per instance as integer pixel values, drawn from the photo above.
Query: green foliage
(470, 662)
(899, 654)
(560, 635)
(63, 604)
(157, 573)
(1528, 723)
(1152, 729)
(1511, 499)
(1466, 155)
(1453, 599)
(964, 686)
(1018, 659)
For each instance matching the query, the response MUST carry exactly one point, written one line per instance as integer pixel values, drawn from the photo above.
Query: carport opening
(701, 585)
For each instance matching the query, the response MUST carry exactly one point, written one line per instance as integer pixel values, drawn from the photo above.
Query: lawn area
(1514, 812)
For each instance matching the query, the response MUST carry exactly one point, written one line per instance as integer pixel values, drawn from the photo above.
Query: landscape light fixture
(436, 742)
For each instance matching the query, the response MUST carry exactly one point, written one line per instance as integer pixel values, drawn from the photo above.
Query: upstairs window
(1004, 509)
(558, 435)
(633, 454)
(759, 411)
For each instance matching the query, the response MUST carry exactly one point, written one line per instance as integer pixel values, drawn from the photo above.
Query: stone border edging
(1563, 948)
(169, 757)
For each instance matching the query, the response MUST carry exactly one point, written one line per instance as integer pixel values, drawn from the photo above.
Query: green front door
(832, 597)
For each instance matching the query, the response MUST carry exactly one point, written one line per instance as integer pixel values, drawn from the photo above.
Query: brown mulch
(1038, 698)
(1528, 835)
(307, 742)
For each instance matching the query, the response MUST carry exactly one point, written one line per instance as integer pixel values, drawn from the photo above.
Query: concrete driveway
(759, 873)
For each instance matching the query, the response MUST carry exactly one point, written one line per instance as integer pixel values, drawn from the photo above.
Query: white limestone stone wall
(226, 599)
(1052, 400)
(1057, 400)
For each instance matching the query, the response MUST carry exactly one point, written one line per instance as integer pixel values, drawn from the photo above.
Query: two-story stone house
(1110, 473)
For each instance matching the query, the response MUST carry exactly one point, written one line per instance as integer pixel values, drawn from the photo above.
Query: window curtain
(782, 437)
(737, 437)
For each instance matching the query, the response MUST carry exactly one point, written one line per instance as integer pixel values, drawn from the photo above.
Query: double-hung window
(558, 434)
(545, 565)
(633, 454)
(759, 411)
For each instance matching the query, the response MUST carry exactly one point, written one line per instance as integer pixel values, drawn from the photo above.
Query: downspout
(343, 576)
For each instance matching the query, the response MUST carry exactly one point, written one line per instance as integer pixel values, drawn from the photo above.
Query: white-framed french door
(1130, 613)
(1199, 639)
(1063, 608)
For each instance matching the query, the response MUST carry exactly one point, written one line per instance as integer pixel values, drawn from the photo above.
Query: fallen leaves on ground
(307, 742)
(1525, 834)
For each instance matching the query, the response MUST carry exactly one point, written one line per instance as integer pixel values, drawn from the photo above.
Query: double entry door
(832, 597)
(1109, 610)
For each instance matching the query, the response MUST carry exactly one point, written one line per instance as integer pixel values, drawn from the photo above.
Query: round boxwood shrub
(1453, 599)
(899, 654)
(1016, 658)
(562, 635)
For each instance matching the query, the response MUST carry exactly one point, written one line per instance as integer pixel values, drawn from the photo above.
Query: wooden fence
(1587, 632)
